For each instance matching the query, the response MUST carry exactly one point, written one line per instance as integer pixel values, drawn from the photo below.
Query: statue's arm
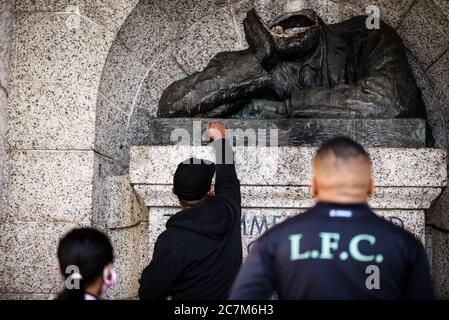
(259, 40)
(228, 78)
(373, 97)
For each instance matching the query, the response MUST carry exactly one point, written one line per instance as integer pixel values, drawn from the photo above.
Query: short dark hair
(342, 148)
(88, 249)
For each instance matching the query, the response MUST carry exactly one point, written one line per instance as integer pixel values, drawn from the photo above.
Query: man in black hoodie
(200, 253)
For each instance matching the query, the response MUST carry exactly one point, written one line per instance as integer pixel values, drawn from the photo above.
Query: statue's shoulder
(357, 26)
(358, 23)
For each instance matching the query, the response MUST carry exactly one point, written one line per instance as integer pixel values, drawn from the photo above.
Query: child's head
(85, 258)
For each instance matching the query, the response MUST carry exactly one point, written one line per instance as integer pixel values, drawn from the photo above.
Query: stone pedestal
(275, 184)
(393, 133)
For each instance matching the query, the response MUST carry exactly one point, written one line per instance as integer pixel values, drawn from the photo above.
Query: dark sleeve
(158, 277)
(418, 285)
(255, 280)
(227, 186)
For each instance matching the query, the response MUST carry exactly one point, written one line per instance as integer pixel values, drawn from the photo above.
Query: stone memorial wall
(86, 77)
(275, 184)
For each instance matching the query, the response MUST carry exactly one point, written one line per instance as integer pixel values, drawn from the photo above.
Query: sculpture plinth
(275, 184)
(393, 133)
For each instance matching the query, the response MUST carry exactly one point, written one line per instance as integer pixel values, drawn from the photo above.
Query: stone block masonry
(275, 184)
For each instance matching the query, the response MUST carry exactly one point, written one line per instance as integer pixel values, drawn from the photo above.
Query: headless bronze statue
(300, 67)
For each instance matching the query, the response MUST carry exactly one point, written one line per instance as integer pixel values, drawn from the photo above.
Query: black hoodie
(200, 253)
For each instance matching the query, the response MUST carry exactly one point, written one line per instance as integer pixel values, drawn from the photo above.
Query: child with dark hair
(85, 258)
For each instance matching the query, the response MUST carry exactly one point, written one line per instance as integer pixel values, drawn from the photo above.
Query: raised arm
(227, 185)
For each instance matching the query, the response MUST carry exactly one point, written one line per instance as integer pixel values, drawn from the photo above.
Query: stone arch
(164, 40)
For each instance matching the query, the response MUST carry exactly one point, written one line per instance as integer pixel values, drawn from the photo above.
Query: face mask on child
(109, 279)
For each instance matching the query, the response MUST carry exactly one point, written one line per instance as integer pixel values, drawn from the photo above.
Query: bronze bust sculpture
(299, 67)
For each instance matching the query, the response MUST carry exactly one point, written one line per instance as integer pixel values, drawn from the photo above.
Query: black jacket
(336, 251)
(200, 253)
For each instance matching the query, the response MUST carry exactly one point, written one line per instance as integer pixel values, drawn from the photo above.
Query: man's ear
(313, 187)
(372, 187)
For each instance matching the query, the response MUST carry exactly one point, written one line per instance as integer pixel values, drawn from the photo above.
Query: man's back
(209, 254)
(336, 251)
(200, 253)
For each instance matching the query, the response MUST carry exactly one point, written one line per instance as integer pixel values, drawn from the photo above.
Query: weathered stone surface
(5, 50)
(434, 105)
(6, 19)
(54, 47)
(390, 11)
(186, 12)
(48, 186)
(424, 31)
(408, 181)
(131, 247)
(438, 215)
(52, 116)
(122, 77)
(291, 166)
(28, 251)
(295, 132)
(115, 204)
(108, 13)
(43, 5)
(3, 115)
(443, 5)
(4, 174)
(140, 118)
(163, 73)
(329, 11)
(440, 263)
(204, 39)
(147, 30)
(297, 197)
(23, 296)
(439, 77)
(256, 221)
(270, 9)
(238, 11)
(111, 130)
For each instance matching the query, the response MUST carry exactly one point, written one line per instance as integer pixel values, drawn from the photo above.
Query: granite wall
(162, 41)
(86, 76)
(5, 52)
(55, 177)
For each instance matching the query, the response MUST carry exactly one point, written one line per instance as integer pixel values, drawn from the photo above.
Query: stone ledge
(275, 184)
(291, 166)
(256, 221)
(297, 197)
(393, 133)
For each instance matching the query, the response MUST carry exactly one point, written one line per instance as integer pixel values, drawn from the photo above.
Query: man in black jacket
(339, 249)
(200, 253)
